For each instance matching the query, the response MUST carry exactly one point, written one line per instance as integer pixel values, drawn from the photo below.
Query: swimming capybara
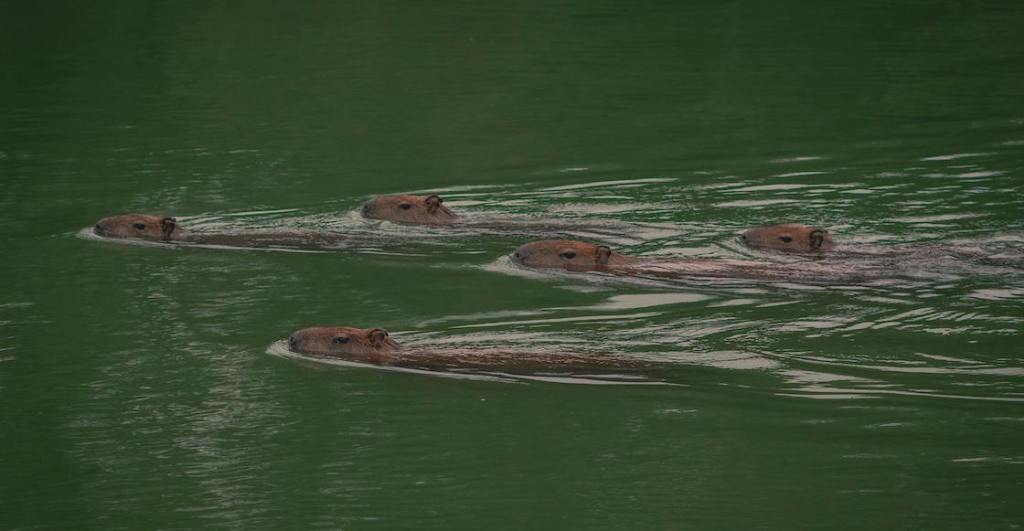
(374, 346)
(578, 256)
(165, 229)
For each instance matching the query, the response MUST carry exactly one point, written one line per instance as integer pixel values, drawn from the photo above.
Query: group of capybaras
(375, 346)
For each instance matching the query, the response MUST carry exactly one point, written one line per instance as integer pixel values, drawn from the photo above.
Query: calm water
(136, 387)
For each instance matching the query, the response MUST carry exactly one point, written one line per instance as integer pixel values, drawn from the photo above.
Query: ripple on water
(280, 349)
(954, 156)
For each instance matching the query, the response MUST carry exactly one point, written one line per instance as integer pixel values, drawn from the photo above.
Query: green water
(136, 390)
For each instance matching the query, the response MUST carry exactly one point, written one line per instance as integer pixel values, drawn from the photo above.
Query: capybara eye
(405, 206)
(139, 226)
(786, 239)
(569, 255)
(340, 340)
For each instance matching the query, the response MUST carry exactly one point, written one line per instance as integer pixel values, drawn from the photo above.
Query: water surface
(136, 387)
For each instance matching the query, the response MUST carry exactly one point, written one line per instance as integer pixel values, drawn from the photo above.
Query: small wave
(833, 393)
(954, 156)
(754, 203)
(608, 184)
(806, 158)
(937, 218)
(280, 349)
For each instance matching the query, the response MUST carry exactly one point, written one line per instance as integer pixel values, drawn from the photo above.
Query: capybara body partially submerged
(165, 229)
(796, 238)
(577, 256)
(374, 346)
(430, 211)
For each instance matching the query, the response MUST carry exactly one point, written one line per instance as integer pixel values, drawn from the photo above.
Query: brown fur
(359, 344)
(168, 230)
(422, 210)
(373, 346)
(140, 227)
(581, 257)
(789, 238)
(571, 255)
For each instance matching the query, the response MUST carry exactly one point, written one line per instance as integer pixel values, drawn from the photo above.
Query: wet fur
(374, 346)
(168, 230)
(578, 256)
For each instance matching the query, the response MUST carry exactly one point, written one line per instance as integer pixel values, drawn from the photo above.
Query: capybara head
(788, 237)
(341, 340)
(139, 227)
(567, 254)
(427, 210)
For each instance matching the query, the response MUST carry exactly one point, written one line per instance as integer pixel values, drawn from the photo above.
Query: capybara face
(139, 227)
(409, 209)
(788, 237)
(567, 254)
(341, 340)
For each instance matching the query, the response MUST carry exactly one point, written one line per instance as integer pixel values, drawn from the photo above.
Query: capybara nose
(293, 342)
(98, 229)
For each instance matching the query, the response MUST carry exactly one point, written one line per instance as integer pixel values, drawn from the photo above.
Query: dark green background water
(135, 386)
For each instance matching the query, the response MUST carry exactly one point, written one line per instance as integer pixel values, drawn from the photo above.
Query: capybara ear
(377, 336)
(602, 254)
(433, 203)
(816, 238)
(167, 227)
